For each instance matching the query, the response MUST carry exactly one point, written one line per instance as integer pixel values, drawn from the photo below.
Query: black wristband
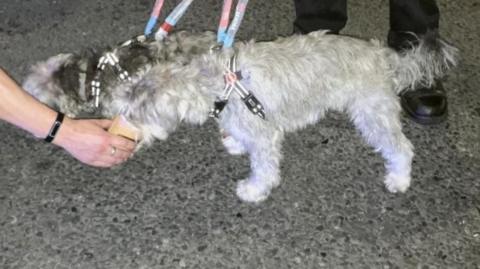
(56, 125)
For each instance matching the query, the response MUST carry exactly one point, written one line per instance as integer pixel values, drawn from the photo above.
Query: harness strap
(172, 19)
(110, 59)
(226, 33)
(153, 17)
(224, 20)
(232, 83)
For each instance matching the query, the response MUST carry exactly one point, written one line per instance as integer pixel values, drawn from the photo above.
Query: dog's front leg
(233, 146)
(265, 156)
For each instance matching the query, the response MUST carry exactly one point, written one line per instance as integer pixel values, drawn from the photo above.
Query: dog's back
(316, 72)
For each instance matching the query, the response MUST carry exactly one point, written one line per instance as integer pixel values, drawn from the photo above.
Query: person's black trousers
(417, 16)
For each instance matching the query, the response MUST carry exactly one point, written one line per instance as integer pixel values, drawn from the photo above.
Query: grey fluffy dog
(296, 79)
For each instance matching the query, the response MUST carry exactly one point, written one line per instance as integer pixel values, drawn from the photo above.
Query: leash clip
(254, 105)
(218, 108)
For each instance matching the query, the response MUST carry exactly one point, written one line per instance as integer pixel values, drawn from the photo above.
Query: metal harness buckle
(232, 83)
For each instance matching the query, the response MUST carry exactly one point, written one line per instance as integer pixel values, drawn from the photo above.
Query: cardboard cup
(122, 127)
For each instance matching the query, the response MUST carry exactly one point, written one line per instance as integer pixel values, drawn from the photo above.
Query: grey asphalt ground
(173, 205)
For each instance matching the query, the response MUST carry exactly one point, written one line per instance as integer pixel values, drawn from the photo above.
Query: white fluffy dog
(296, 79)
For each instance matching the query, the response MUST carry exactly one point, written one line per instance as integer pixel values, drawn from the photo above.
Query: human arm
(86, 140)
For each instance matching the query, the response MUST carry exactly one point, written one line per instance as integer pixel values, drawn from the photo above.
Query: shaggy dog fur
(63, 81)
(297, 79)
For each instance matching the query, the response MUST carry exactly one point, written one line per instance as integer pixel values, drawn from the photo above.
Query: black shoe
(426, 105)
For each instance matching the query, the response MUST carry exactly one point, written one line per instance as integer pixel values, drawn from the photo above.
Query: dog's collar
(110, 58)
(232, 79)
(82, 80)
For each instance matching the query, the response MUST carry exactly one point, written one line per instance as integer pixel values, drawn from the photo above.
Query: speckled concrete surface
(173, 205)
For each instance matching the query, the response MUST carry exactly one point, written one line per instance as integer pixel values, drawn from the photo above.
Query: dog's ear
(67, 76)
(53, 64)
(42, 82)
(91, 55)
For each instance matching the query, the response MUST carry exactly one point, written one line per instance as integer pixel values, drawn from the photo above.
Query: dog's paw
(233, 146)
(397, 183)
(252, 191)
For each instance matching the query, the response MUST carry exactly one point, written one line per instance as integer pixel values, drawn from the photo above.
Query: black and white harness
(110, 58)
(233, 83)
(232, 79)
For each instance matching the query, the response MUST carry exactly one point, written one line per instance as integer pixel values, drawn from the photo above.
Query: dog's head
(61, 82)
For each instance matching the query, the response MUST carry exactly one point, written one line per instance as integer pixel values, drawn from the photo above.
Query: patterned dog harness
(233, 83)
(110, 58)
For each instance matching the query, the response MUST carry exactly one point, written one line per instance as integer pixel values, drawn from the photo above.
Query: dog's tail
(426, 61)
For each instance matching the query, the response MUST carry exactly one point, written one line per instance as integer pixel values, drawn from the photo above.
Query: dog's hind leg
(378, 119)
(265, 155)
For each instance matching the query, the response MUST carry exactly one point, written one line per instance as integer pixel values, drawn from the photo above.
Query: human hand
(89, 142)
